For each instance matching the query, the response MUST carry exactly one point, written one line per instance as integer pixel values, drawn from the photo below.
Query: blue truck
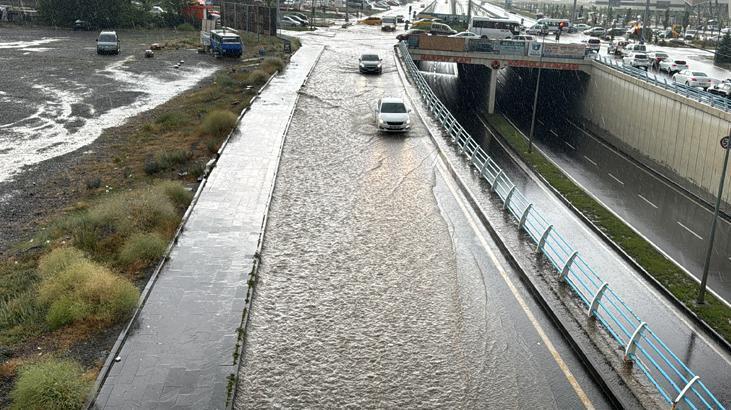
(226, 43)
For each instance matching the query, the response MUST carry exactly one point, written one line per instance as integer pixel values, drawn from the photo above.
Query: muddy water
(57, 95)
(370, 292)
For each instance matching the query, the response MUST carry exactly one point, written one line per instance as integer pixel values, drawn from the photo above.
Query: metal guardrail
(675, 382)
(689, 92)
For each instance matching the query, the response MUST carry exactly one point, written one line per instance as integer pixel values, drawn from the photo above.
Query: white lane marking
(537, 326)
(572, 147)
(690, 230)
(554, 133)
(540, 122)
(647, 200)
(591, 160)
(615, 178)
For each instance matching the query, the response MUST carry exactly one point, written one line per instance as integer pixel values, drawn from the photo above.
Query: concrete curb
(622, 253)
(619, 396)
(117, 347)
(251, 279)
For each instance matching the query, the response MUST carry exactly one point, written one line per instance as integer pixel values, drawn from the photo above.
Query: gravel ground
(58, 97)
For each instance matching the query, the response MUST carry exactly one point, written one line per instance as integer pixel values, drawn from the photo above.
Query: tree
(723, 51)
(666, 19)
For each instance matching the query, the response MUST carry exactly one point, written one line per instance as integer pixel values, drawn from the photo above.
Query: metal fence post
(507, 198)
(597, 297)
(542, 241)
(632, 344)
(684, 391)
(524, 216)
(493, 184)
(567, 265)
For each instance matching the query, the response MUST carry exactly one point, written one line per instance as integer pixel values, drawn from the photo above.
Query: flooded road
(57, 94)
(377, 287)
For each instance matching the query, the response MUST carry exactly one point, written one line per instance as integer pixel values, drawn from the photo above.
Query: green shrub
(171, 120)
(49, 385)
(197, 169)
(218, 123)
(257, 77)
(86, 291)
(176, 192)
(185, 27)
(59, 260)
(101, 227)
(151, 166)
(142, 249)
(169, 159)
(212, 146)
(272, 64)
(23, 308)
(225, 81)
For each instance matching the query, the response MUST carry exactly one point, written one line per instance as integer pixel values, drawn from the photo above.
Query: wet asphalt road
(376, 287)
(57, 94)
(703, 355)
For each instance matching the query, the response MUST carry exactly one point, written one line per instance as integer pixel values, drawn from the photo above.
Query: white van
(554, 24)
(494, 27)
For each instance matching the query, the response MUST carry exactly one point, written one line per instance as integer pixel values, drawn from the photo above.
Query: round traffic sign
(725, 142)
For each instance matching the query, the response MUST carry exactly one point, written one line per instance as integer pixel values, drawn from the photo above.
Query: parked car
(441, 29)
(392, 115)
(82, 25)
(615, 31)
(693, 79)
(304, 21)
(633, 48)
(107, 43)
(372, 21)
(723, 89)
(672, 66)
(616, 47)
(593, 45)
(412, 32)
(637, 60)
(156, 10)
(595, 31)
(537, 30)
(655, 58)
(288, 21)
(425, 23)
(521, 37)
(370, 63)
(465, 34)
(581, 27)
(690, 34)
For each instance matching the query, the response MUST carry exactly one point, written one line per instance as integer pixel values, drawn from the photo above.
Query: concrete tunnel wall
(678, 137)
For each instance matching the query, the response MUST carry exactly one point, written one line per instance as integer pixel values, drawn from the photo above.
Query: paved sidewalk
(180, 350)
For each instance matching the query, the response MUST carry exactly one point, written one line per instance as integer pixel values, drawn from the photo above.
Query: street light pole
(535, 98)
(704, 279)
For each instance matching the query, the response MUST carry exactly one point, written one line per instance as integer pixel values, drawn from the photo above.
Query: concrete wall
(678, 137)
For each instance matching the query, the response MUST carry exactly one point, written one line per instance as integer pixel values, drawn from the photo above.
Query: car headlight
(379, 65)
(362, 65)
(408, 121)
(380, 121)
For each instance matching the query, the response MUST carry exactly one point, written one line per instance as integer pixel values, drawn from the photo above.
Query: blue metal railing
(692, 93)
(675, 382)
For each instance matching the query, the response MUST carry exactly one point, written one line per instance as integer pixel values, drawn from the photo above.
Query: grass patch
(224, 80)
(715, 313)
(185, 27)
(257, 77)
(272, 64)
(167, 122)
(86, 291)
(142, 249)
(172, 158)
(51, 384)
(218, 123)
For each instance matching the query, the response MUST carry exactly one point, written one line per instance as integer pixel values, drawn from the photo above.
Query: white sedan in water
(465, 34)
(693, 79)
(392, 115)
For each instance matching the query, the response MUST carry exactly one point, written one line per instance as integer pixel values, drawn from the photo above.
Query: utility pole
(726, 145)
(469, 11)
(535, 96)
(645, 21)
(312, 19)
(346, 11)
(573, 13)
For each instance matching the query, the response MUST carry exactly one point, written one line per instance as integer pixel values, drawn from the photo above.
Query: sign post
(726, 145)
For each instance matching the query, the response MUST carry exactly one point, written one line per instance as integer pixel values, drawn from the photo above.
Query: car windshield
(369, 57)
(661, 55)
(231, 40)
(640, 56)
(680, 62)
(699, 74)
(393, 107)
(108, 38)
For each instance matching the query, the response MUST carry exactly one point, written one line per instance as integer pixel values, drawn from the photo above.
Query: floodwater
(57, 95)
(376, 287)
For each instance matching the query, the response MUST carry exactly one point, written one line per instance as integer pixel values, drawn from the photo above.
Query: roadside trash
(118, 359)
(149, 54)
(155, 46)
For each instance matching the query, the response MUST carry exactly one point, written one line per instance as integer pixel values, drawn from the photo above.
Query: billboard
(564, 50)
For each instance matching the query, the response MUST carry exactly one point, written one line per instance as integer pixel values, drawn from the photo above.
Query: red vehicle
(194, 9)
